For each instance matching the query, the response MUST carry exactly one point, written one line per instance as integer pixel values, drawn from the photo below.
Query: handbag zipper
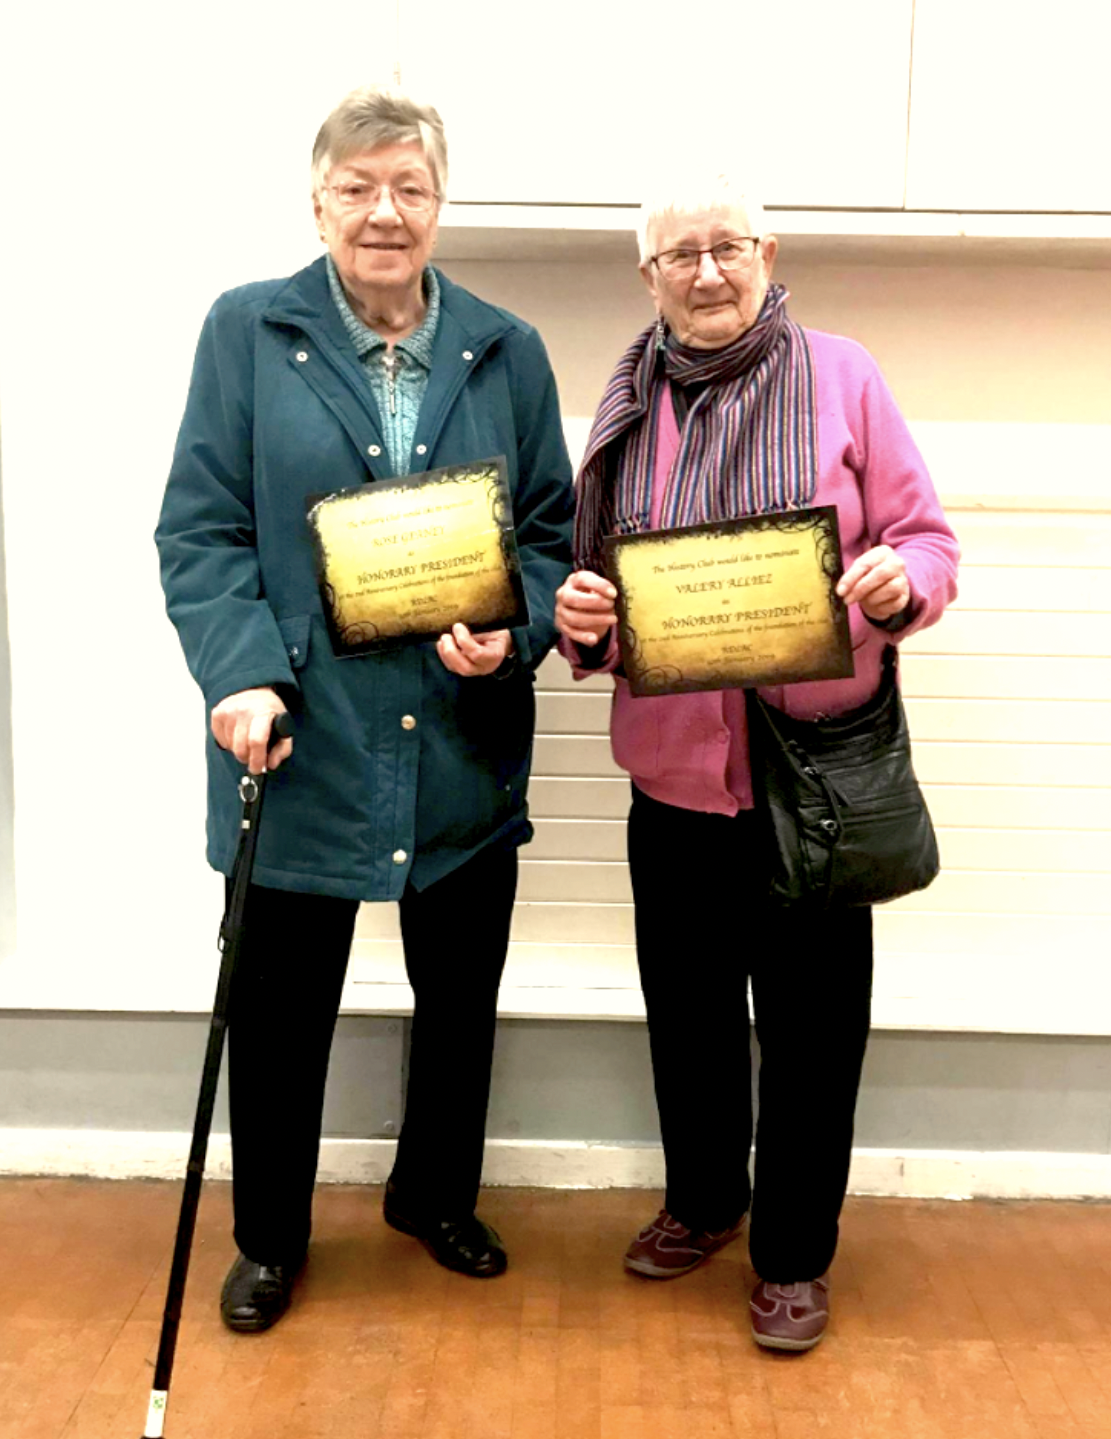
(834, 796)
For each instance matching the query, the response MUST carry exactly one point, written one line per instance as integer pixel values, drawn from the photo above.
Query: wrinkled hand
(470, 655)
(584, 608)
(242, 723)
(877, 582)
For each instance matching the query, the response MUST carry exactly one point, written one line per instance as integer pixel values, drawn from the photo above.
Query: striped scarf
(749, 444)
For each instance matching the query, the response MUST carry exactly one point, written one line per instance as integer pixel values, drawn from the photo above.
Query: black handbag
(847, 823)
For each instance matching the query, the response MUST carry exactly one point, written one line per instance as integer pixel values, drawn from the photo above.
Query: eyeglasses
(735, 254)
(355, 195)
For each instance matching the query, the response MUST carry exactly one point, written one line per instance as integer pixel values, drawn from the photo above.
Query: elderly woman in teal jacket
(407, 775)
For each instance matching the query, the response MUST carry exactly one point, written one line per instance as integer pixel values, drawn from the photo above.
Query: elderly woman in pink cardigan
(726, 407)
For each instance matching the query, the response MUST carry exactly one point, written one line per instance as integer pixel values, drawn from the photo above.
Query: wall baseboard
(564, 1164)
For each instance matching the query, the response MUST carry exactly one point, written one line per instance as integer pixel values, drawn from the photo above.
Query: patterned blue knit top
(398, 380)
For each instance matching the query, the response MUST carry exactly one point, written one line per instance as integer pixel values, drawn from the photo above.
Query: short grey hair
(378, 115)
(690, 195)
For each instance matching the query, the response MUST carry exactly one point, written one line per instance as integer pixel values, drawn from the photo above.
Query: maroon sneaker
(665, 1248)
(790, 1316)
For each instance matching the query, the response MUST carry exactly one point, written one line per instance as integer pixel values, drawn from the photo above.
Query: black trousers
(703, 930)
(284, 1006)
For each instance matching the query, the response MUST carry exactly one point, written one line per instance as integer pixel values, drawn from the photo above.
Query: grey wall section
(141, 1072)
(563, 1080)
(987, 1092)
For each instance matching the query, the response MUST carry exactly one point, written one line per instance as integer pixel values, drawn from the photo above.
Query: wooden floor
(967, 1321)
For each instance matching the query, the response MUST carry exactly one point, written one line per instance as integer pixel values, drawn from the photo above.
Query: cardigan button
(374, 450)
(467, 355)
(399, 856)
(408, 722)
(302, 356)
(422, 449)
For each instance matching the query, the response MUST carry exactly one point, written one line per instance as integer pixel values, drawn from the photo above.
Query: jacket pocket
(295, 633)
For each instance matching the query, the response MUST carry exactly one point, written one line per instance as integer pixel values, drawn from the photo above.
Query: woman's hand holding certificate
(877, 582)
(472, 655)
(584, 608)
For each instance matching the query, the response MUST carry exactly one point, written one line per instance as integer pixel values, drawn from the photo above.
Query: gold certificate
(403, 560)
(736, 603)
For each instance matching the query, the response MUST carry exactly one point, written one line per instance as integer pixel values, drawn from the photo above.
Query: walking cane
(252, 788)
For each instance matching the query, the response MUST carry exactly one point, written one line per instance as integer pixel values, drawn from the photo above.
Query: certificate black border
(349, 641)
(669, 679)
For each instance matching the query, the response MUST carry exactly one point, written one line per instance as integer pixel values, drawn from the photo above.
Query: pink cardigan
(691, 750)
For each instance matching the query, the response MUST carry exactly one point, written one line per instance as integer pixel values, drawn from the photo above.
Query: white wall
(1009, 106)
(583, 104)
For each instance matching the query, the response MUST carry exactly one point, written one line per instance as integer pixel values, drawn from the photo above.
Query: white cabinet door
(573, 104)
(1010, 106)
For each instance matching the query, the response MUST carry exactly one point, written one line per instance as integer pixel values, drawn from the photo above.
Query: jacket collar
(467, 328)
(305, 301)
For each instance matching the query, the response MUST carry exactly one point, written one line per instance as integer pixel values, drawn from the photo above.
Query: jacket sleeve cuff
(509, 666)
(587, 660)
(285, 685)
(895, 624)
(593, 657)
(521, 654)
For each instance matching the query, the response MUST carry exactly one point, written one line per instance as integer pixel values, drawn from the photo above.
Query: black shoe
(466, 1245)
(255, 1296)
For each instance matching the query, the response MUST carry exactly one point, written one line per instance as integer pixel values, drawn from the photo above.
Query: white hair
(690, 196)
(379, 115)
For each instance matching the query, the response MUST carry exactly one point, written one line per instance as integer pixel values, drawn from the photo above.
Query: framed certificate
(731, 604)
(401, 561)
